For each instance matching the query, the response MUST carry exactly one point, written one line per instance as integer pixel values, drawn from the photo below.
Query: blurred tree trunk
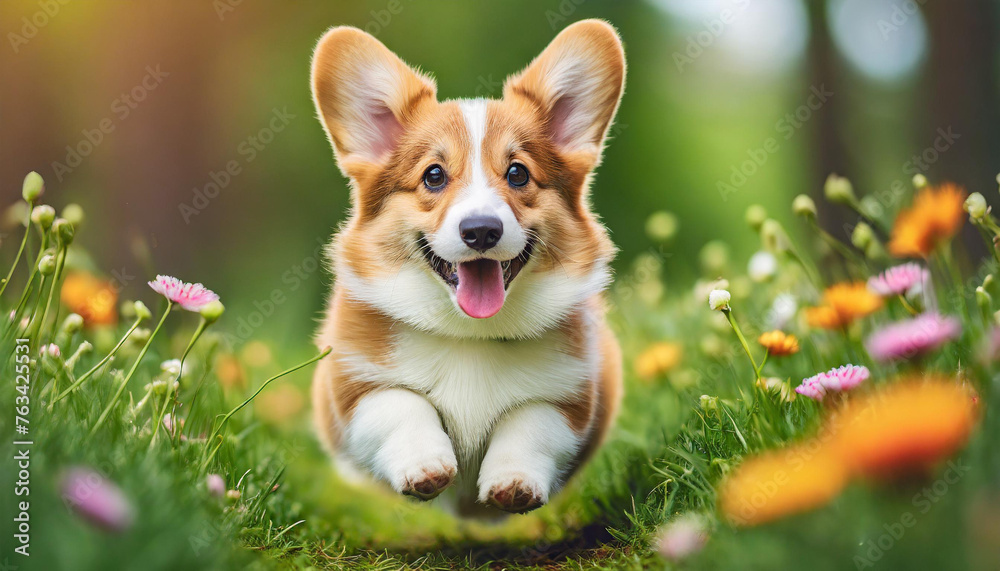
(963, 91)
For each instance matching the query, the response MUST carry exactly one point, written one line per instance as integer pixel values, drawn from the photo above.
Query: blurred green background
(133, 109)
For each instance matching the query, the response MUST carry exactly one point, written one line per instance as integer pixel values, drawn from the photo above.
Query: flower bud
(74, 214)
(755, 216)
(33, 187)
(72, 323)
(714, 256)
(708, 404)
(976, 206)
(140, 336)
(212, 311)
(862, 236)
(233, 495)
(43, 216)
(50, 350)
(141, 311)
(804, 206)
(984, 299)
(919, 181)
(718, 300)
(839, 190)
(988, 281)
(773, 236)
(64, 231)
(47, 265)
(661, 226)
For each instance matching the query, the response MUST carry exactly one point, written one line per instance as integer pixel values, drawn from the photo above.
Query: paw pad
(515, 497)
(428, 483)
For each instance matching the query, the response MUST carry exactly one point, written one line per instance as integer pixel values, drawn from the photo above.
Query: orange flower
(780, 483)
(279, 405)
(778, 343)
(657, 359)
(230, 372)
(842, 304)
(936, 215)
(91, 297)
(905, 428)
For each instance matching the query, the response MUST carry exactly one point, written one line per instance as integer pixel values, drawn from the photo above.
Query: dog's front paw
(514, 492)
(426, 480)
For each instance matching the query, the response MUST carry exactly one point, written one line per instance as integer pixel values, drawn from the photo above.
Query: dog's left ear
(577, 82)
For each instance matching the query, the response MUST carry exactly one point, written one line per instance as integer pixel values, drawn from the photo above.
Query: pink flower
(681, 538)
(905, 339)
(191, 297)
(899, 280)
(52, 350)
(839, 379)
(811, 388)
(97, 499)
(216, 485)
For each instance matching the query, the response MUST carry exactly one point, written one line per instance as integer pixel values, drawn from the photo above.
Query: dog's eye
(434, 178)
(517, 175)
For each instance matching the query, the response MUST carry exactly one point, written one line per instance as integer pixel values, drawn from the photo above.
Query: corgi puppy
(470, 348)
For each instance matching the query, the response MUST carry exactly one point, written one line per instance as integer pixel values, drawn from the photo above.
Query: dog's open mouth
(480, 285)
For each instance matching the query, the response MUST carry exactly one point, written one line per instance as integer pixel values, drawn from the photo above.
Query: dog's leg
(397, 435)
(529, 453)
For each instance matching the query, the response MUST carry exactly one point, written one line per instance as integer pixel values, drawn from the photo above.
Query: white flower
(718, 299)
(171, 367)
(782, 311)
(762, 266)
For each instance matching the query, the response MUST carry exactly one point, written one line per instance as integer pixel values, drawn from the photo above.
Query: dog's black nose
(481, 232)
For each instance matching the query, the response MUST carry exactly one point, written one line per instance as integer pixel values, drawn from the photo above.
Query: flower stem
(24, 240)
(194, 338)
(121, 387)
(229, 415)
(100, 364)
(739, 334)
(907, 306)
(31, 279)
(52, 288)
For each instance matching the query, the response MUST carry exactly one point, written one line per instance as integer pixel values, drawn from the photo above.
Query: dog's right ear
(365, 96)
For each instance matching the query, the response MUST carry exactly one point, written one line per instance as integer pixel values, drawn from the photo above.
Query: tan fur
(391, 207)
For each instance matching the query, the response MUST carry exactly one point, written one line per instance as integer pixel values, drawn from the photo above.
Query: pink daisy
(906, 339)
(97, 499)
(191, 297)
(216, 485)
(899, 280)
(839, 379)
(811, 388)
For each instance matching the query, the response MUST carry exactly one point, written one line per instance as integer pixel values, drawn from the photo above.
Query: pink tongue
(480, 288)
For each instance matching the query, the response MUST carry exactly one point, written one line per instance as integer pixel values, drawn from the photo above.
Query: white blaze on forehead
(477, 198)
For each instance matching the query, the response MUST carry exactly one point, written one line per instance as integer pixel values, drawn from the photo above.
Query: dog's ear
(365, 95)
(577, 82)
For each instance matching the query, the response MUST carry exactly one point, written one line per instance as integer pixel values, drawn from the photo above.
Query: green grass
(665, 457)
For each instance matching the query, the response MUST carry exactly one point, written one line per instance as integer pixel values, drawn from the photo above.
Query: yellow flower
(781, 483)
(904, 429)
(657, 359)
(842, 304)
(936, 215)
(778, 343)
(94, 299)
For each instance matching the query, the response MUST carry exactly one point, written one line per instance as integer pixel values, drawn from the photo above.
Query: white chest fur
(472, 382)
